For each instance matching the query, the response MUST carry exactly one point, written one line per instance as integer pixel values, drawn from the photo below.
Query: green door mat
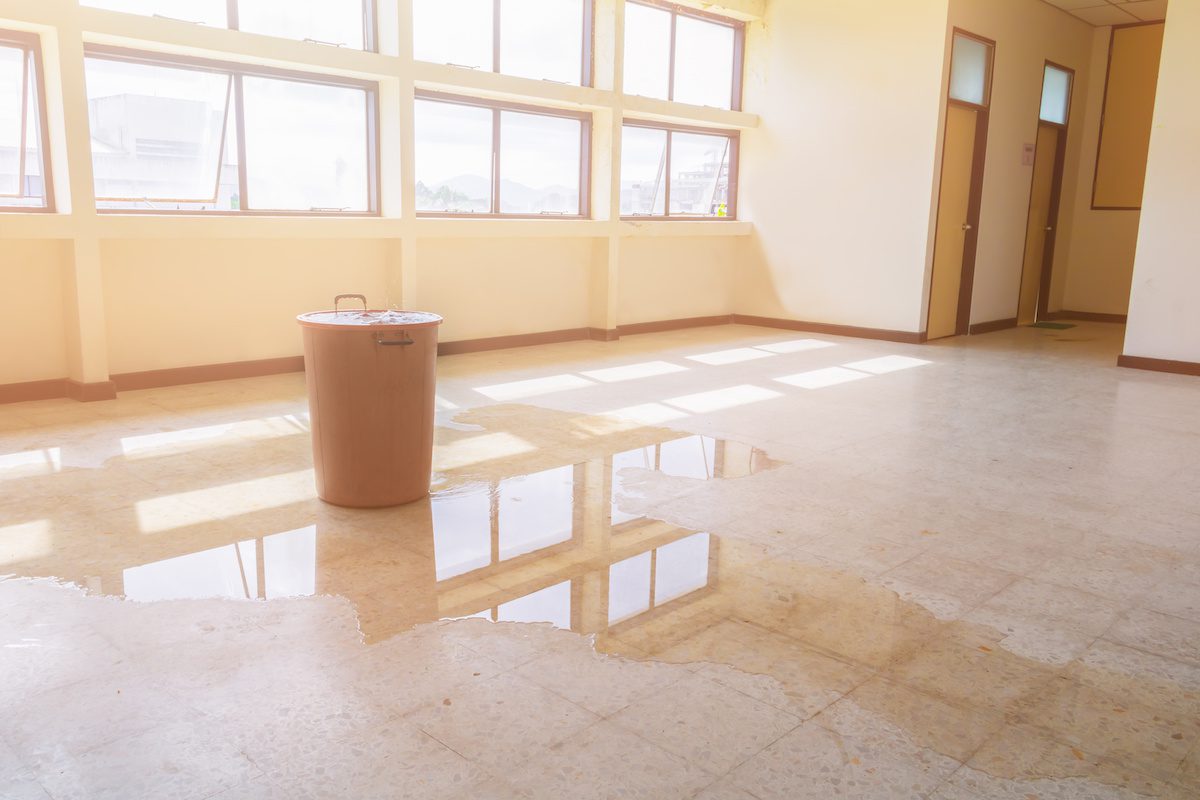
(1053, 326)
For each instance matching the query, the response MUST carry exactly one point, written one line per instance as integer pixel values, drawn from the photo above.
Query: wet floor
(584, 607)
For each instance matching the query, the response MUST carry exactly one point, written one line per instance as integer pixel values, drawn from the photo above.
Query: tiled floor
(722, 564)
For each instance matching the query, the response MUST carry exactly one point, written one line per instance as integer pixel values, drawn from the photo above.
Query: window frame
(498, 106)
(370, 24)
(31, 44)
(739, 44)
(237, 72)
(1050, 65)
(735, 139)
(587, 67)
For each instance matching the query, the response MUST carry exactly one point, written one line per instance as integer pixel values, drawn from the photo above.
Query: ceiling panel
(1114, 12)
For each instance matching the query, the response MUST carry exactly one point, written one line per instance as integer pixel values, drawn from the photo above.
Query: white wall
(1027, 33)
(1163, 318)
(837, 178)
(1098, 267)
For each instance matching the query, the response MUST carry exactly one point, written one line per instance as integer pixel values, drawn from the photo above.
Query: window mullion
(232, 20)
(496, 36)
(667, 178)
(216, 195)
(28, 56)
(496, 159)
(671, 75)
(240, 110)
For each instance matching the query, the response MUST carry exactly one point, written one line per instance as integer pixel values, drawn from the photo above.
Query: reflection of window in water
(552, 604)
(289, 570)
(536, 511)
(462, 532)
(690, 457)
(678, 569)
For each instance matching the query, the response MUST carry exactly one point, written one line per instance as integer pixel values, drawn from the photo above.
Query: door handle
(968, 226)
(1049, 228)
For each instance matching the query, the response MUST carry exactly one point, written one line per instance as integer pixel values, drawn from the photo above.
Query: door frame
(1056, 187)
(966, 287)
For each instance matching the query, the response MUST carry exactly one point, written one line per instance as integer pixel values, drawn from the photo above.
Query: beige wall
(175, 303)
(1163, 318)
(500, 287)
(837, 178)
(1098, 263)
(665, 279)
(32, 329)
(1027, 34)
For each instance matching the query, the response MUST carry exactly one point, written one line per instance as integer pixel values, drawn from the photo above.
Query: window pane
(207, 12)
(542, 39)
(306, 146)
(462, 532)
(453, 32)
(536, 511)
(329, 21)
(703, 62)
(628, 588)
(454, 157)
(699, 175)
(643, 166)
(1056, 95)
(969, 70)
(682, 568)
(647, 51)
(12, 69)
(539, 164)
(34, 186)
(551, 605)
(157, 134)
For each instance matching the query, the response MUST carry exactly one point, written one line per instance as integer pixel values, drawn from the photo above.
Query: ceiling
(1114, 12)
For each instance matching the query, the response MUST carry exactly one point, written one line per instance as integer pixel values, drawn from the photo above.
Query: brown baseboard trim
(993, 326)
(604, 334)
(517, 340)
(1160, 365)
(1087, 316)
(91, 392)
(178, 376)
(673, 325)
(33, 390)
(905, 337)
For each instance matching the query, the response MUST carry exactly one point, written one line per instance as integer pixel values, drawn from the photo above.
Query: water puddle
(509, 536)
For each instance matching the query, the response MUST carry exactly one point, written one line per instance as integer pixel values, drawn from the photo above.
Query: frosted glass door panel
(1056, 96)
(969, 70)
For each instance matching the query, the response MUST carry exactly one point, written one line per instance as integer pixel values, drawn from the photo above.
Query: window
(497, 159)
(540, 39)
(677, 172)
(24, 169)
(344, 23)
(970, 70)
(1056, 94)
(193, 135)
(677, 53)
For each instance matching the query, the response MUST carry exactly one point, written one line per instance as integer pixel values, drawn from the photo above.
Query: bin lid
(357, 320)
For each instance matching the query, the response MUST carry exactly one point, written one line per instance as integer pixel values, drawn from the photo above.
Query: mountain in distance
(477, 187)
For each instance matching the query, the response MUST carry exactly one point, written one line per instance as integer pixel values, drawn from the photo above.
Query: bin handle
(405, 342)
(362, 298)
